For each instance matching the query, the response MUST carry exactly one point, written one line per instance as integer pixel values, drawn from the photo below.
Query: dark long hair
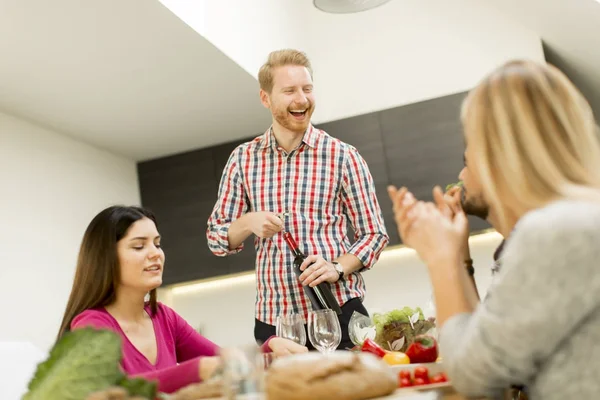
(98, 271)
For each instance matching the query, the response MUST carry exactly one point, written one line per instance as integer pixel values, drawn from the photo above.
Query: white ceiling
(127, 76)
(131, 77)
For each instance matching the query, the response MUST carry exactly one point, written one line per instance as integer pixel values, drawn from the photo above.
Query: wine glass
(291, 327)
(324, 330)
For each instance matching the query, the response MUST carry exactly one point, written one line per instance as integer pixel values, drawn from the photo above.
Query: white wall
(408, 51)
(246, 31)
(224, 309)
(52, 186)
(399, 53)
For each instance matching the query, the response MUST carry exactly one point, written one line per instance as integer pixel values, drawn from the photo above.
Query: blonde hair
(534, 139)
(281, 58)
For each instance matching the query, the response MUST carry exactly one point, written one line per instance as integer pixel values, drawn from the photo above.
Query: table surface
(446, 393)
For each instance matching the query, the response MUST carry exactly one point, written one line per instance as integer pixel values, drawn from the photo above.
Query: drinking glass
(324, 330)
(243, 374)
(291, 327)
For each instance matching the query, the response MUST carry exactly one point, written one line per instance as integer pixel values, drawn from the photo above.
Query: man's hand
(316, 270)
(264, 224)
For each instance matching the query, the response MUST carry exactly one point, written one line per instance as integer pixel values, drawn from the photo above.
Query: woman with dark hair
(121, 262)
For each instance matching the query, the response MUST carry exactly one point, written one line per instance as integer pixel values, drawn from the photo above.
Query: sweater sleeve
(189, 343)
(546, 285)
(173, 378)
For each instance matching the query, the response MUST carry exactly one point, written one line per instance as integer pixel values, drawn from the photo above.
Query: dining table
(445, 393)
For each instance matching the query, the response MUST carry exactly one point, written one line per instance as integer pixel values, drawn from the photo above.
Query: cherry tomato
(405, 374)
(439, 378)
(420, 381)
(423, 373)
(405, 382)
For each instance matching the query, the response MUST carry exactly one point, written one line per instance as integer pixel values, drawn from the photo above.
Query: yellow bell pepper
(396, 358)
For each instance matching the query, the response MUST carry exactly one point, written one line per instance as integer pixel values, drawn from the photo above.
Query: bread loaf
(341, 375)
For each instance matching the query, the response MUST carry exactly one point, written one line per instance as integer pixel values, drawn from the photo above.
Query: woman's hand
(208, 367)
(436, 237)
(450, 204)
(283, 347)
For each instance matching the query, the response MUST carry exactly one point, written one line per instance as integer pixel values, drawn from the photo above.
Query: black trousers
(264, 331)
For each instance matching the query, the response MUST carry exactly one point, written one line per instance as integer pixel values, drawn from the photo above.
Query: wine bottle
(320, 296)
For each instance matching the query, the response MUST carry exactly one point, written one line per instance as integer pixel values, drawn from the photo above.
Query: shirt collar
(310, 138)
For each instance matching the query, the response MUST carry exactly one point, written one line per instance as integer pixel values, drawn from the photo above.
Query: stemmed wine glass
(324, 330)
(291, 327)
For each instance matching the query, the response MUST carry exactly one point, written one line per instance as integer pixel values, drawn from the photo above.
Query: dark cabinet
(181, 191)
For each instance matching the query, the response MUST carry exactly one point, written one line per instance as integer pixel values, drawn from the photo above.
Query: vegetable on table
(83, 362)
(397, 329)
(370, 346)
(423, 350)
(396, 358)
(419, 377)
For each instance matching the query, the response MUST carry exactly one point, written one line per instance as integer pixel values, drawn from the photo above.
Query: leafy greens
(451, 185)
(80, 363)
(403, 315)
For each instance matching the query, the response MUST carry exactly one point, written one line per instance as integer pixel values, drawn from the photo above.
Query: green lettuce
(451, 185)
(403, 315)
(80, 363)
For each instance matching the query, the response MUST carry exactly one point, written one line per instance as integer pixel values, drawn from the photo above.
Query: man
(459, 196)
(318, 182)
(474, 204)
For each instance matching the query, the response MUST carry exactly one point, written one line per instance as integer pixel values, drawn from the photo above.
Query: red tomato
(405, 382)
(423, 373)
(405, 374)
(439, 378)
(420, 381)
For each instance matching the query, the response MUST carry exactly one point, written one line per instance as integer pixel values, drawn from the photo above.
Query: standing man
(320, 183)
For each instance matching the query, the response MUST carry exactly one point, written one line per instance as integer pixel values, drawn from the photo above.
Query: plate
(433, 368)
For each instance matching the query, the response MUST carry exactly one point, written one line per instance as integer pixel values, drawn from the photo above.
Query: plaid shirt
(322, 184)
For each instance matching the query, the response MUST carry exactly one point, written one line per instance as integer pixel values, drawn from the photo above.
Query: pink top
(179, 347)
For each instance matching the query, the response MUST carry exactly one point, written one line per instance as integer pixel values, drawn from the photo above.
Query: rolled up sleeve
(362, 207)
(231, 204)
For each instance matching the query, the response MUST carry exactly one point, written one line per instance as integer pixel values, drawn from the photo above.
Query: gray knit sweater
(540, 326)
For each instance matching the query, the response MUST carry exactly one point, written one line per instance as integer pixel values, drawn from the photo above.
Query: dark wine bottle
(320, 296)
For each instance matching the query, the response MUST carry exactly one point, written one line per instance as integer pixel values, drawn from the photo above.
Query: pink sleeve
(265, 346)
(174, 378)
(188, 342)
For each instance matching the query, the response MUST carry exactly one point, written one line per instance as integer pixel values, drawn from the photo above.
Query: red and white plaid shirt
(322, 184)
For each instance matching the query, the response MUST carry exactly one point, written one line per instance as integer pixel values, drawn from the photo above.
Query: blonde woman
(533, 156)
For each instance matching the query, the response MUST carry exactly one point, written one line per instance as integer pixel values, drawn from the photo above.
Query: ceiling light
(347, 6)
